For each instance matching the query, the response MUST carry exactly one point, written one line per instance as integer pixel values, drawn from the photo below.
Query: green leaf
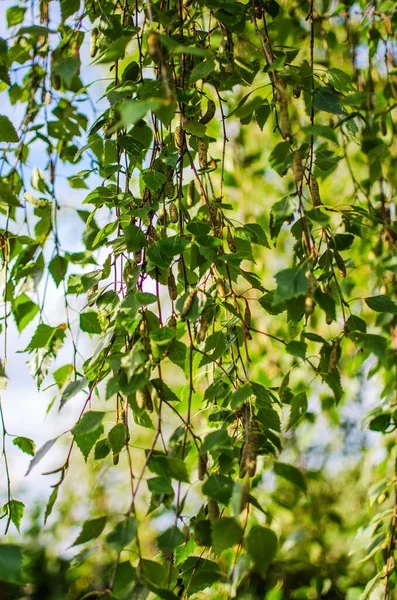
(292, 474)
(195, 128)
(123, 534)
(261, 546)
(125, 576)
(162, 336)
(69, 8)
(24, 311)
(297, 349)
(15, 15)
(340, 80)
(25, 444)
(327, 99)
(41, 337)
(145, 298)
(382, 304)
(102, 449)
(290, 284)
(199, 573)
(14, 510)
(11, 557)
(219, 488)
(66, 68)
(86, 441)
(215, 439)
(164, 391)
(170, 539)
(7, 130)
(90, 421)
(133, 111)
(134, 238)
(58, 268)
(226, 532)
(298, 409)
(154, 180)
(160, 485)
(202, 70)
(73, 388)
(341, 241)
(176, 468)
(115, 50)
(91, 530)
(355, 323)
(278, 158)
(117, 437)
(240, 395)
(50, 504)
(89, 322)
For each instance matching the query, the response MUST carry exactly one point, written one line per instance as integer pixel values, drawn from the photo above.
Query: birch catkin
(209, 114)
(202, 154)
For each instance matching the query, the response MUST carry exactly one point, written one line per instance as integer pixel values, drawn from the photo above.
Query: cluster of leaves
(191, 345)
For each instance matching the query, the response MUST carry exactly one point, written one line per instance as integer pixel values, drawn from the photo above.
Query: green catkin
(282, 95)
(213, 510)
(328, 291)
(340, 263)
(213, 210)
(153, 44)
(250, 450)
(140, 398)
(247, 318)
(172, 322)
(315, 192)
(173, 211)
(181, 273)
(230, 240)
(75, 49)
(297, 167)
(143, 332)
(204, 322)
(312, 284)
(202, 465)
(163, 219)
(220, 286)
(209, 114)
(284, 123)
(172, 286)
(188, 303)
(151, 234)
(169, 189)
(178, 138)
(202, 154)
(310, 305)
(190, 194)
(116, 459)
(333, 357)
(144, 399)
(124, 421)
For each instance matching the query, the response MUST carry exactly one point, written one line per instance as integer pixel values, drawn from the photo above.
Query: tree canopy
(198, 250)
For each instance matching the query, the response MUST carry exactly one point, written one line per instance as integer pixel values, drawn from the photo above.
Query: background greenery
(198, 250)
